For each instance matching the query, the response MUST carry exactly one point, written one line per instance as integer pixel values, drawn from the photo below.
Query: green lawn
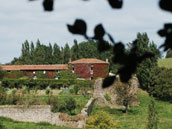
(167, 63)
(135, 119)
(137, 116)
(10, 124)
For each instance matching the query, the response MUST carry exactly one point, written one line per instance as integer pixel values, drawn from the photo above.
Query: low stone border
(42, 113)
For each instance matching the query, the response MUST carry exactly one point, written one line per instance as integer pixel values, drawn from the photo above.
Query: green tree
(161, 84)
(49, 54)
(2, 73)
(169, 54)
(143, 70)
(75, 51)
(57, 58)
(125, 96)
(67, 53)
(152, 116)
(40, 53)
(32, 52)
(26, 58)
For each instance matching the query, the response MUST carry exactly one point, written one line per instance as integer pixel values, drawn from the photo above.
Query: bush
(14, 74)
(2, 96)
(161, 83)
(70, 104)
(41, 75)
(47, 92)
(66, 74)
(98, 122)
(66, 106)
(2, 74)
(107, 96)
(152, 116)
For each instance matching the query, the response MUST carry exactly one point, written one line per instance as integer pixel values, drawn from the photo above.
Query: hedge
(44, 83)
(161, 83)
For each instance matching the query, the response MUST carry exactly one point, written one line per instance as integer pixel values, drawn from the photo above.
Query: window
(44, 72)
(91, 78)
(91, 69)
(73, 69)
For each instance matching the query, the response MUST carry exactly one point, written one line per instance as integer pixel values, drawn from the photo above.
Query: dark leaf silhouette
(116, 3)
(48, 5)
(166, 5)
(128, 60)
(167, 33)
(79, 27)
(99, 32)
(119, 53)
(108, 81)
(111, 38)
(103, 46)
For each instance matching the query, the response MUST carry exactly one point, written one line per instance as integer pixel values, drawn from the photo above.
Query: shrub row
(44, 83)
(160, 84)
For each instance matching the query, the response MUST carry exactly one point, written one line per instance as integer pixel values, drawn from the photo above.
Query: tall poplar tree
(57, 57)
(67, 53)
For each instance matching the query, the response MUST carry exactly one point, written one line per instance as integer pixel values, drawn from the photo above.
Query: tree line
(38, 53)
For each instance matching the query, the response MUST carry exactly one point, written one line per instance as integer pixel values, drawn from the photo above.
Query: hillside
(137, 116)
(165, 63)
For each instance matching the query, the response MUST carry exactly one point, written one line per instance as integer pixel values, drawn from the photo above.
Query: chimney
(107, 60)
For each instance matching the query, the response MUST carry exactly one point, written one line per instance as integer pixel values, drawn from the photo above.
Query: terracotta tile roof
(88, 61)
(34, 67)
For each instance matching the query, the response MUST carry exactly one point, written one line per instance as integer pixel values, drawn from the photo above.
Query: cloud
(21, 20)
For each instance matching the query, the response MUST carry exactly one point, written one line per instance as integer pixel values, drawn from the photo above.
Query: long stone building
(88, 68)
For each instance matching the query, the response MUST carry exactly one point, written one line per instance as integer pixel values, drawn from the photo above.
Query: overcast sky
(21, 20)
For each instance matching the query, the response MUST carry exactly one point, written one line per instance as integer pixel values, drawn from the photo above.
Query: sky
(22, 20)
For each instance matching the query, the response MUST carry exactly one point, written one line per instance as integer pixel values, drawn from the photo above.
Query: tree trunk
(126, 108)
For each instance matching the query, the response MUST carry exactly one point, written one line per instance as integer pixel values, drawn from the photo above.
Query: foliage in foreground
(152, 116)
(102, 120)
(161, 85)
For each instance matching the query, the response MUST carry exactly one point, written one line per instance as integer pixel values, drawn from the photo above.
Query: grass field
(167, 63)
(10, 124)
(135, 119)
(137, 116)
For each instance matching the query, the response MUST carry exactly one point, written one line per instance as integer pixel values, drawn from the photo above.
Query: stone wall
(99, 93)
(42, 113)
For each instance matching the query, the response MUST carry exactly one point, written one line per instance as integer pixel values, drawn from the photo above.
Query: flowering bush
(101, 120)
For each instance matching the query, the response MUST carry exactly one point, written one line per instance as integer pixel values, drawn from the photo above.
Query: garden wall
(42, 113)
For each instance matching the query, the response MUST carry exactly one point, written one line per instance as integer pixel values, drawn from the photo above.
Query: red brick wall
(51, 74)
(84, 70)
(100, 70)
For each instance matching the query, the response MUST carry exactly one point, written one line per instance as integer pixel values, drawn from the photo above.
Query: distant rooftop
(34, 67)
(88, 61)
